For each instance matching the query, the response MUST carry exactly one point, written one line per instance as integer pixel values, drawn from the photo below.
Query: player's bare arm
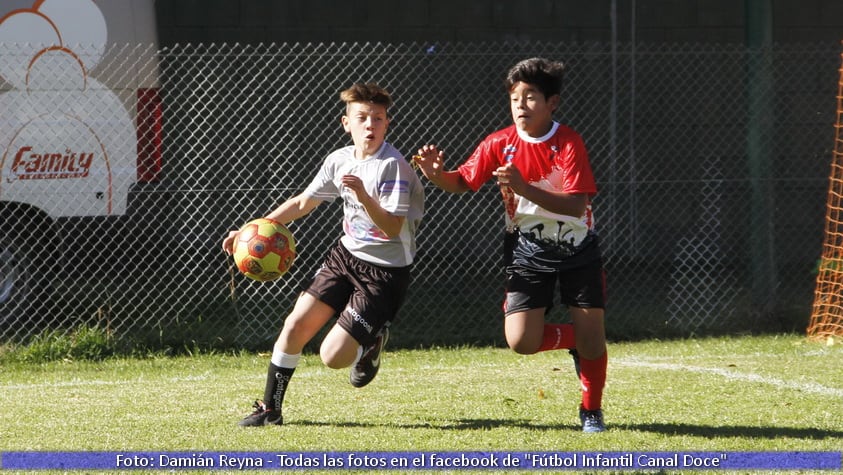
(431, 162)
(387, 222)
(555, 202)
(293, 209)
(288, 211)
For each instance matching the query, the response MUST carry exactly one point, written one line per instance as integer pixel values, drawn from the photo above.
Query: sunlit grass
(720, 394)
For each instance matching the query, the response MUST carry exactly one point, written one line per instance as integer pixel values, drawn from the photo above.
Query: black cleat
(367, 368)
(592, 421)
(262, 416)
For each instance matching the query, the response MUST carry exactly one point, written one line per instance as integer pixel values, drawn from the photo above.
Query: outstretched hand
(430, 161)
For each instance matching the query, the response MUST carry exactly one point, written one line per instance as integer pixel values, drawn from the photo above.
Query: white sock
(283, 360)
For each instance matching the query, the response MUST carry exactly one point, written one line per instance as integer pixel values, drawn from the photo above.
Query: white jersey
(388, 178)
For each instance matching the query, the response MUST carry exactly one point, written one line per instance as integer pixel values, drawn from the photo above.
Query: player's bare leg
(524, 330)
(527, 333)
(309, 315)
(339, 349)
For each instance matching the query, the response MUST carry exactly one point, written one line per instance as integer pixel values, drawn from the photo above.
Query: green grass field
(721, 394)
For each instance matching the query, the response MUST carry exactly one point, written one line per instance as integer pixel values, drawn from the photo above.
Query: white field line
(735, 376)
(257, 376)
(728, 374)
(97, 382)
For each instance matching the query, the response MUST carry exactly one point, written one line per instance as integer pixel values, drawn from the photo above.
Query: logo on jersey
(509, 152)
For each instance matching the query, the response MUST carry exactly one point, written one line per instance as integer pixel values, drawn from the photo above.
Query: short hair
(366, 92)
(542, 73)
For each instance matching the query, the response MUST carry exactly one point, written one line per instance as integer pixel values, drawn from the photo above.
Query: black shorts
(583, 285)
(366, 296)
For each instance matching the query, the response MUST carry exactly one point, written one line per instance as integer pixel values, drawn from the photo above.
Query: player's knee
(523, 347)
(332, 358)
(337, 353)
(331, 362)
(294, 328)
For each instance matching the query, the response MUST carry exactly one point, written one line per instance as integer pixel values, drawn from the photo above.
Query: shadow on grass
(459, 424)
(736, 431)
(668, 429)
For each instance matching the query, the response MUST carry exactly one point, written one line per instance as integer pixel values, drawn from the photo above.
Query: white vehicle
(80, 124)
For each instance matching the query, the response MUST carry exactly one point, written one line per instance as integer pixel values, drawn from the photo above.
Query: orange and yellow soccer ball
(264, 249)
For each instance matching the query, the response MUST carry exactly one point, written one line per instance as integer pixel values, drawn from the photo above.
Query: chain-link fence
(711, 162)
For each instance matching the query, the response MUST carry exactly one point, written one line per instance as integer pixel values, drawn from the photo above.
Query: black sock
(277, 379)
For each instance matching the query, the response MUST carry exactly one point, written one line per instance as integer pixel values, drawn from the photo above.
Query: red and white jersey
(557, 162)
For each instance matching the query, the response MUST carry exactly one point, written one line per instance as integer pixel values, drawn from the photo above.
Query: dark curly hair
(544, 74)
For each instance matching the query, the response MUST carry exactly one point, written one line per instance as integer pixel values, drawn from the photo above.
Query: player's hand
(509, 176)
(228, 242)
(430, 160)
(355, 184)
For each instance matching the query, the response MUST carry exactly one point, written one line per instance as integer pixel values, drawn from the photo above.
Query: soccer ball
(264, 249)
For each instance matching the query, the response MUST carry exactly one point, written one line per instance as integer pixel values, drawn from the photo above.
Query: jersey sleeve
(322, 187)
(480, 165)
(578, 177)
(394, 187)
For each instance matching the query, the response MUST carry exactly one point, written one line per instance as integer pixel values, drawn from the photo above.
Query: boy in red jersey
(546, 182)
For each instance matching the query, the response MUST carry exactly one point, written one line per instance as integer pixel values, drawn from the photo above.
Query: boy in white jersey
(546, 182)
(364, 277)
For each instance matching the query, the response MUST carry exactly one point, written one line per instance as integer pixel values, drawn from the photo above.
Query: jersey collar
(523, 135)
